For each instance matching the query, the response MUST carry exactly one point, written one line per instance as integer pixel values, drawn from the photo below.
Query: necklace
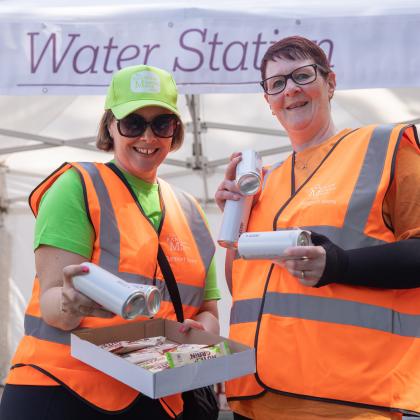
(302, 164)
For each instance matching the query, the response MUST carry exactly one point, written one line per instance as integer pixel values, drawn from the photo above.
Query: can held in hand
(235, 221)
(248, 172)
(152, 297)
(271, 245)
(236, 213)
(128, 300)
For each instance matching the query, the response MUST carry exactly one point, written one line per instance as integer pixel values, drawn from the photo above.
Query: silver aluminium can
(236, 213)
(248, 172)
(271, 245)
(152, 297)
(113, 293)
(234, 222)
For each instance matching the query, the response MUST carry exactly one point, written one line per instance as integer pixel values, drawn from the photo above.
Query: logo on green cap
(145, 82)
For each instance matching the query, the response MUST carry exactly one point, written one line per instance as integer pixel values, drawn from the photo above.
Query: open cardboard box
(84, 346)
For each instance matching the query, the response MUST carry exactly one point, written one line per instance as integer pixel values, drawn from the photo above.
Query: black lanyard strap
(170, 281)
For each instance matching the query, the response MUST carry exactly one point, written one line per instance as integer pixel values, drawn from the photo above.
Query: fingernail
(181, 329)
(85, 269)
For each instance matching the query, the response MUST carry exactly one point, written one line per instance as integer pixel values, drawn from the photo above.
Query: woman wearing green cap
(117, 215)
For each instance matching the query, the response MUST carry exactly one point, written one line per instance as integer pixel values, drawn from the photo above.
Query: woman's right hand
(75, 303)
(228, 190)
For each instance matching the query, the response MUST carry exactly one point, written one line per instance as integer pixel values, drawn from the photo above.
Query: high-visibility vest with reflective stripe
(126, 244)
(335, 343)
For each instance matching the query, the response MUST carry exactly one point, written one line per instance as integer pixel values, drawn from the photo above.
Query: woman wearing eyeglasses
(336, 325)
(116, 215)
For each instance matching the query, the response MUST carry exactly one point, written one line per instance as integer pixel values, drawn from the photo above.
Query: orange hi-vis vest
(337, 343)
(126, 244)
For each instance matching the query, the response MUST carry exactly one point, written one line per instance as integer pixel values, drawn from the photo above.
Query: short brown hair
(296, 48)
(105, 142)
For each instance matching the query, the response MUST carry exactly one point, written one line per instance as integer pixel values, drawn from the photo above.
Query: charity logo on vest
(175, 244)
(319, 194)
(180, 250)
(321, 190)
(145, 82)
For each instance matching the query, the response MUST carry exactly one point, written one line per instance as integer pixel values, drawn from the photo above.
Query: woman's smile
(146, 152)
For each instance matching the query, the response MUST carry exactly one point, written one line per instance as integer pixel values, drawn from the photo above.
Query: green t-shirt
(62, 220)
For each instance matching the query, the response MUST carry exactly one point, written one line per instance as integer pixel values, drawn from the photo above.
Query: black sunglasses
(134, 125)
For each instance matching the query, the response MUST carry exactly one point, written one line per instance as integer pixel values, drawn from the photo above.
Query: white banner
(206, 51)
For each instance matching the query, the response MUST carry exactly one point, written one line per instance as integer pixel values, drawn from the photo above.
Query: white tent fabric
(50, 114)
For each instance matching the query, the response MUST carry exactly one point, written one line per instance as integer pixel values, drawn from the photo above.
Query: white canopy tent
(57, 61)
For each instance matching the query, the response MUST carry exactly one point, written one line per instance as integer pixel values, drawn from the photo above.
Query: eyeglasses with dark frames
(134, 125)
(301, 76)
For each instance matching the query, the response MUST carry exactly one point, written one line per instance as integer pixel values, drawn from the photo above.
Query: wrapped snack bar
(181, 358)
(122, 347)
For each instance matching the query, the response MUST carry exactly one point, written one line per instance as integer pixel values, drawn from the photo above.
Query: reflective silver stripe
(345, 237)
(336, 311)
(36, 327)
(190, 295)
(245, 311)
(109, 233)
(268, 173)
(198, 228)
(369, 178)
(366, 188)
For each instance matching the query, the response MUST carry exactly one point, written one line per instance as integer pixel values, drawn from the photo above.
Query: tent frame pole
(198, 161)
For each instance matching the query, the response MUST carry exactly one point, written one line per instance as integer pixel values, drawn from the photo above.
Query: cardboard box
(84, 346)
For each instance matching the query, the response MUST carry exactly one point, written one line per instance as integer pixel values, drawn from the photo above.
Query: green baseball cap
(139, 86)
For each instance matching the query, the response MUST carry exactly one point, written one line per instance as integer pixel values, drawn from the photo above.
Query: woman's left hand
(191, 323)
(205, 320)
(307, 263)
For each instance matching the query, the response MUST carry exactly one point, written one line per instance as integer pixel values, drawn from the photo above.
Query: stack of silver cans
(236, 213)
(128, 300)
